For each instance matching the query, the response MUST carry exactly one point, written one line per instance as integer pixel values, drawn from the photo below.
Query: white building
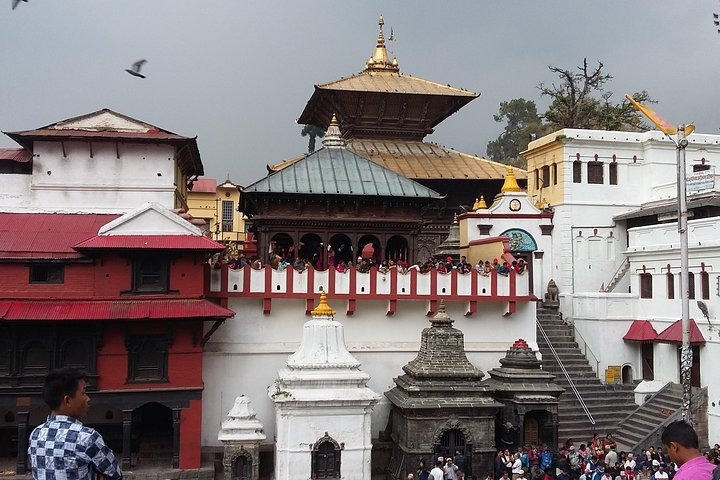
(615, 245)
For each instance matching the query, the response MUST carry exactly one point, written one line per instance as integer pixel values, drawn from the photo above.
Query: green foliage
(522, 123)
(577, 100)
(312, 131)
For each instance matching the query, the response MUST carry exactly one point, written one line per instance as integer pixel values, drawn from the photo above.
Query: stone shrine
(241, 435)
(441, 406)
(530, 396)
(323, 406)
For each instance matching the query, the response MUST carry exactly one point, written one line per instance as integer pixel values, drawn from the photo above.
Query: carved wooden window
(35, 359)
(554, 173)
(47, 274)
(670, 279)
(691, 286)
(148, 358)
(150, 274)
(705, 285)
(577, 171)
(612, 173)
(595, 172)
(74, 354)
(545, 176)
(5, 357)
(325, 462)
(646, 285)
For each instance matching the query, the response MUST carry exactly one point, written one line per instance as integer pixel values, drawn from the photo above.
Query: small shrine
(241, 435)
(530, 396)
(440, 406)
(323, 406)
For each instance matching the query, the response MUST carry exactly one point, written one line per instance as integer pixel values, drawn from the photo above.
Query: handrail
(587, 349)
(612, 279)
(567, 375)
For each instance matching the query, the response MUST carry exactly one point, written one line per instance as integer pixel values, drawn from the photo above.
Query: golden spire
(323, 308)
(510, 184)
(476, 205)
(380, 61)
(482, 204)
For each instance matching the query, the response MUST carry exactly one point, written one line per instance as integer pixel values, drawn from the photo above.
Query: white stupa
(323, 406)
(241, 435)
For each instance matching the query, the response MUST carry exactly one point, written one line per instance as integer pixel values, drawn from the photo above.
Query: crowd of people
(679, 458)
(364, 265)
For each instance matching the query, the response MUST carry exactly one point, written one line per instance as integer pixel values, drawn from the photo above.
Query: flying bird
(16, 2)
(716, 16)
(135, 69)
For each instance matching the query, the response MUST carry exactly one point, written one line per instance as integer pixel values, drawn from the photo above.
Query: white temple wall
(76, 182)
(245, 353)
(15, 193)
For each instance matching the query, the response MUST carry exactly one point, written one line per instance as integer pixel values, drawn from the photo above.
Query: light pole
(686, 351)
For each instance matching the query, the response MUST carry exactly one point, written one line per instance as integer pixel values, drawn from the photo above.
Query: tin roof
(640, 331)
(339, 171)
(19, 155)
(46, 235)
(156, 242)
(422, 160)
(204, 185)
(131, 309)
(673, 334)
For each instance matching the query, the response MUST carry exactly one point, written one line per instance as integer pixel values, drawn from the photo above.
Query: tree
(523, 122)
(312, 131)
(580, 100)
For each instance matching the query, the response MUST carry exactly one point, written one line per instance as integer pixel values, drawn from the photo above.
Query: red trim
(267, 305)
(311, 281)
(453, 282)
(432, 307)
(471, 308)
(150, 242)
(511, 309)
(309, 305)
(350, 307)
(392, 307)
(493, 283)
(413, 282)
(373, 279)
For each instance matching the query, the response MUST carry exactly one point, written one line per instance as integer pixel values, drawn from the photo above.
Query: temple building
(385, 115)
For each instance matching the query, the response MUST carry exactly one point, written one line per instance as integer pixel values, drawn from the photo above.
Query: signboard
(697, 181)
(613, 374)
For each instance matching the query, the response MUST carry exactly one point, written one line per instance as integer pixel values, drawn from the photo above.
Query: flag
(664, 126)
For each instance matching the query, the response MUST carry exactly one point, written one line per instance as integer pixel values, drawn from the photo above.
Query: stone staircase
(608, 404)
(619, 275)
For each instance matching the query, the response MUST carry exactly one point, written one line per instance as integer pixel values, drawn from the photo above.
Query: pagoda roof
(422, 160)
(339, 171)
(396, 83)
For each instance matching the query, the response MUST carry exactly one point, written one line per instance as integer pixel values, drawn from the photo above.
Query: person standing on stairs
(682, 445)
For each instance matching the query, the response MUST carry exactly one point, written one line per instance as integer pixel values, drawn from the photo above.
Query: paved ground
(7, 471)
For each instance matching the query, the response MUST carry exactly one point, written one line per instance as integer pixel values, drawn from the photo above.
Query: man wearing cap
(574, 461)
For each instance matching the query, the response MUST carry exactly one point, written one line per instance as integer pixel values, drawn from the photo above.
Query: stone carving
(552, 296)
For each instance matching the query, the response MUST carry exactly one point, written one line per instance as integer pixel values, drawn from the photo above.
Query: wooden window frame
(577, 171)
(46, 274)
(595, 173)
(646, 285)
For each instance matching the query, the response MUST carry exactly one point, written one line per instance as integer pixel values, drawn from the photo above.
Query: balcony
(268, 284)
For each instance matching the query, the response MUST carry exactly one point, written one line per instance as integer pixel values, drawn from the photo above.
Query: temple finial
(510, 184)
(323, 309)
(333, 135)
(380, 62)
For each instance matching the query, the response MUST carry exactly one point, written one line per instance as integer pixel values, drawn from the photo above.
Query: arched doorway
(538, 428)
(341, 249)
(627, 374)
(242, 468)
(363, 248)
(152, 435)
(397, 248)
(282, 246)
(451, 441)
(310, 248)
(325, 458)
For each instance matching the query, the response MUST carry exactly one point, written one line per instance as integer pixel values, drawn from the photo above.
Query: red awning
(673, 334)
(640, 331)
(111, 309)
(156, 242)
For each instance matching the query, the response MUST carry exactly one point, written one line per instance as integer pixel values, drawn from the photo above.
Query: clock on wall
(515, 205)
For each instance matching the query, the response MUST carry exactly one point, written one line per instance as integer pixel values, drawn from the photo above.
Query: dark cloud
(237, 73)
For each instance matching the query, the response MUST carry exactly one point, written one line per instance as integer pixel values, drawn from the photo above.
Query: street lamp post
(686, 351)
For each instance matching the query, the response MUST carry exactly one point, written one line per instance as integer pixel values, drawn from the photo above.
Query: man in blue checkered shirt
(63, 448)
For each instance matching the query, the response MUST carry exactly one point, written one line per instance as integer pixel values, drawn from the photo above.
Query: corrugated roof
(641, 331)
(393, 83)
(47, 235)
(19, 155)
(339, 171)
(156, 242)
(673, 333)
(204, 185)
(132, 309)
(423, 161)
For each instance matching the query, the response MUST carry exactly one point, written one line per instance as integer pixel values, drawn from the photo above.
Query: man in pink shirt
(683, 447)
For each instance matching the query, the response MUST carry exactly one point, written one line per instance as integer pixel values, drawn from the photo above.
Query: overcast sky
(237, 74)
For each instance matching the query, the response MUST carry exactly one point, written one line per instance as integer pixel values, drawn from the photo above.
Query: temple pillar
(22, 456)
(127, 436)
(176, 437)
